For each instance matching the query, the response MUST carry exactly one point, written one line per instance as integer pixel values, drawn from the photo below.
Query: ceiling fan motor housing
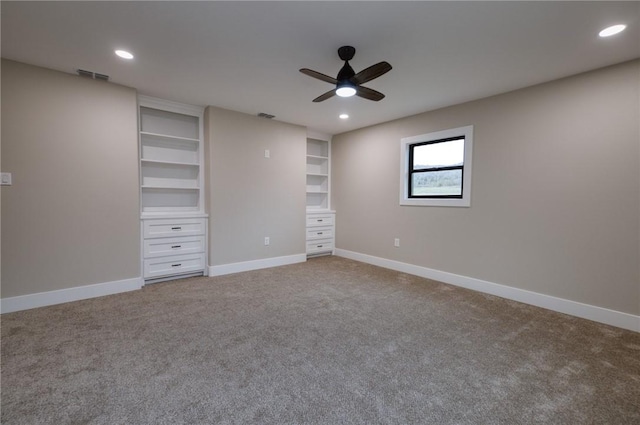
(346, 53)
(345, 73)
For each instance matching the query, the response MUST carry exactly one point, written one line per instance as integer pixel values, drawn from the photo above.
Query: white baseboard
(561, 305)
(42, 299)
(264, 263)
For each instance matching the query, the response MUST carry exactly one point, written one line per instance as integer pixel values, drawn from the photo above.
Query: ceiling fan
(348, 82)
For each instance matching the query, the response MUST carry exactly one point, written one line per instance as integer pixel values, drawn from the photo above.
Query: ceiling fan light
(345, 91)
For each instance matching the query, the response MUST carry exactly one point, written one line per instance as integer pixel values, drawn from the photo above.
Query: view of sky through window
(443, 154)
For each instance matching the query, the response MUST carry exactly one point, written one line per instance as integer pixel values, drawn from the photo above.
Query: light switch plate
(267, 154)
(6, 179)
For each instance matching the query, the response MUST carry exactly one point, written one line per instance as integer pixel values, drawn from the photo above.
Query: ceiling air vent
(92, 75)
(267, 116)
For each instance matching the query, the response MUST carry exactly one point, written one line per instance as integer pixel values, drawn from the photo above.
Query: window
(436, 168)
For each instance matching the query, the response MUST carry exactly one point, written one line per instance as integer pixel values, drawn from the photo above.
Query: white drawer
(319, 233)
(319, 220)
(321, 245)
(177, 264)
(173, 227)
(161, 247)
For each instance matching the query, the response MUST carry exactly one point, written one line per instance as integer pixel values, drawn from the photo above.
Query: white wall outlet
(266, 241)
(6, 179)
(267, 154)
(396, 242)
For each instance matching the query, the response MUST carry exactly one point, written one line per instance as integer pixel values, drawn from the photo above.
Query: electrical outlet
(266, 241)
(396, 242)
(6, 179)
(267, 154)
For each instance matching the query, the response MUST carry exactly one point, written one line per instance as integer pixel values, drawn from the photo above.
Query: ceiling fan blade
(326, 96)
(318, 75)
(368, 93)
(368, 74)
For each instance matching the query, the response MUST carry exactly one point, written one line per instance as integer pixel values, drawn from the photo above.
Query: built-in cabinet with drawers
(320, 217)
(174, 223)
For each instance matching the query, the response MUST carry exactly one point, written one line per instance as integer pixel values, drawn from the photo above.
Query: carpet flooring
(329, 341)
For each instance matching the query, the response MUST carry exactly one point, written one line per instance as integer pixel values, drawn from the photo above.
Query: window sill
(435, 202)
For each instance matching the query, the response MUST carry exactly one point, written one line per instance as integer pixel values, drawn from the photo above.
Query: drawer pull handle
(176, 228)
(319, 246)
(319, 220)
(176, 246)
(176, 265)
(319, 233)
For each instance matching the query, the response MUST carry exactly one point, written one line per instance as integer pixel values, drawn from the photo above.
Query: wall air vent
(92, 75)
(83, 73)
(267, 116)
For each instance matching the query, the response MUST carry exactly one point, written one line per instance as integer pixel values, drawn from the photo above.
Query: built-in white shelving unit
(320, 217)
(171, 189)
(317, 174)
(170, 157)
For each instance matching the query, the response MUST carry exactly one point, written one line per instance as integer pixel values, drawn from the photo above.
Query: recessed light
(612, 30)
(124, 54)
(344, 116)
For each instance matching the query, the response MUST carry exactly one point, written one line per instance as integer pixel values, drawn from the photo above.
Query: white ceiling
(245, 56)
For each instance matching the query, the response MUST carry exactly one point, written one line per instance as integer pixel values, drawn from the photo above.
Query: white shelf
(161, 214)
(155, 161)
(317, 157)
(317, 183)
(169, 174)
(318, 148)
(169, 150)
(317, 200)
(164, 212)
(170, 187)
(167, 136)
(169, 123)
(317, 165)
(170, 199)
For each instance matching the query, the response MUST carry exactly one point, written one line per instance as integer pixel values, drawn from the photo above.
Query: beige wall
(71, 217)
(249, 196)
(555, 203)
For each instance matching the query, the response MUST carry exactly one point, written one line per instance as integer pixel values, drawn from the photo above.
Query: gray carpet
(330, 341)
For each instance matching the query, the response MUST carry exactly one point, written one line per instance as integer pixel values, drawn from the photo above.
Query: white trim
(405, 142)
(256, 264)
(561, 305)
(42, 299)
(313, 134)
(171, 106)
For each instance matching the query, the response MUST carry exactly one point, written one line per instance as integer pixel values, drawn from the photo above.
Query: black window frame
(411, 171)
